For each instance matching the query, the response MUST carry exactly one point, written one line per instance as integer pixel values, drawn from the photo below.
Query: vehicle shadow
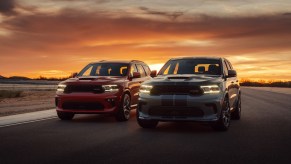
(180, 127)
(93, 118)
(187, 127)
(98, 118)
(163, 127)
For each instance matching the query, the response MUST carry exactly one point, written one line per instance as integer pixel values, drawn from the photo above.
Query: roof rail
(136, 61)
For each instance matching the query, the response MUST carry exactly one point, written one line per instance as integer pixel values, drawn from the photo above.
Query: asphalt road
(263, 135)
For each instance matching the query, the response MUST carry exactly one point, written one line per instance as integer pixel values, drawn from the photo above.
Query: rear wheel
(224, 120)
(123, 112)
(236, 114)
(65, 116)
(149, 124)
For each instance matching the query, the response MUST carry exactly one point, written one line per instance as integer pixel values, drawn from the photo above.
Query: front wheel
(224, 120)
(148, 124)
(123, 112)
(65, 116)
(236, 114)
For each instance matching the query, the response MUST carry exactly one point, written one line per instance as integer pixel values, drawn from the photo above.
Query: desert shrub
(262, 83)
(10, 93)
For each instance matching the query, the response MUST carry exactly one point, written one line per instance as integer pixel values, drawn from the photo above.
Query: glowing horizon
(54, 38)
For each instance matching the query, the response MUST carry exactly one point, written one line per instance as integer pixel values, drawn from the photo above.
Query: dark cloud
(75, 29)
(76, 37)
(96, 1)
(7, 7)
(171, 15)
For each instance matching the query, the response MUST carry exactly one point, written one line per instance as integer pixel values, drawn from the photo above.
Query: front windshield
(192, 66)
(105, 69)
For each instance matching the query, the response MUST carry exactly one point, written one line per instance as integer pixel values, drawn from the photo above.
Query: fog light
(111, 101)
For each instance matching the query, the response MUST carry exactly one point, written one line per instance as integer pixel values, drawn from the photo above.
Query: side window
(147, 70)
(225, 68)
(141, 70)
(133, 69)
(229, 64)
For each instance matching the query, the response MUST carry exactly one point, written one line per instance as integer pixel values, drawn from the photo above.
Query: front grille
(176, 111)
(176, 90)
(82, 106)
(84, 88)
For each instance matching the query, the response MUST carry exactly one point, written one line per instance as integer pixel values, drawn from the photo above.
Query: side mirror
(73, 75)
(231, 73)
(136, 75)
(154, 73)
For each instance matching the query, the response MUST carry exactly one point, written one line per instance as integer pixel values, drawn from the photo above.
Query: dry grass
(10, 93)
(29, 101)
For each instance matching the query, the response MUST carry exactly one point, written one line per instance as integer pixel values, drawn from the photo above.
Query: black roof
(198, 57)
(118, 61)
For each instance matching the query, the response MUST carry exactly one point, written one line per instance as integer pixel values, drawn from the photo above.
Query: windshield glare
(192, 66)
(105, 69)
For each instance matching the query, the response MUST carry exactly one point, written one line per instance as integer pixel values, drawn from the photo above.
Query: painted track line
(27, 118)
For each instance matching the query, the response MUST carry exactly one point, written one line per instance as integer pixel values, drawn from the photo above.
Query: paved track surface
(263, 135)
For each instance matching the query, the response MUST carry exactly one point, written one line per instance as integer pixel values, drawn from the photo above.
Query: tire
(148, 124)
(123, 112)
(236, 114)
(223, 122)
(65, 116)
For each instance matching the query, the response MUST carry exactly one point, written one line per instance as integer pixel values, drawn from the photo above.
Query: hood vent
(178, 77)
(88, 78)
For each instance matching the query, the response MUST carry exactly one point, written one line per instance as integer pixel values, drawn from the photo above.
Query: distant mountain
(2, 77)
(19, 78)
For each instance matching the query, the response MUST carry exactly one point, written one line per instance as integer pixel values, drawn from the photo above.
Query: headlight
(61, 87)
(110, 88)
(145, 88)
(210, 89)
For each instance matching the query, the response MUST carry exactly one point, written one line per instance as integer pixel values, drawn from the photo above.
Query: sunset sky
(54, 38)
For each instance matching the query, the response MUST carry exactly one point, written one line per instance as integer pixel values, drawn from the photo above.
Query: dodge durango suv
(109, 87)
(200, 89)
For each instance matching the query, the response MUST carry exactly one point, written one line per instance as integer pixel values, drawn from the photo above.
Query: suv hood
(186, 78)
(99, 80)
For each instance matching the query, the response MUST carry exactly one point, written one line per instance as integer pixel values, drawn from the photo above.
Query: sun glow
(156, 67)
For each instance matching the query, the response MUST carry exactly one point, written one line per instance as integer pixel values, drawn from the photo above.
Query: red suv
(109, 87)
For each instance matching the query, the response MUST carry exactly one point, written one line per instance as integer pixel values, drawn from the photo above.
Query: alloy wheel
(226, 114)
(126, 106)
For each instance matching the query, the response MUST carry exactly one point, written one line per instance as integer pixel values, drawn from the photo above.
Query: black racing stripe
(183, 83)
(168, 101)
(181, 101)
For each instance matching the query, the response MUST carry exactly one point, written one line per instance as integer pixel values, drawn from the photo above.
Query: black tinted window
(225, 69)
(141, 70)
(147, 70)
(105, 69)
(133, 69)
(229, 64)
(192, 66)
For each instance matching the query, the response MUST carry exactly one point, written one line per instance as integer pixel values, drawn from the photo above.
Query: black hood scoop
(87, 78)
(179, 77)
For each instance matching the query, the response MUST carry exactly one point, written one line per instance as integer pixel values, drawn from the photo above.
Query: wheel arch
(126, 91)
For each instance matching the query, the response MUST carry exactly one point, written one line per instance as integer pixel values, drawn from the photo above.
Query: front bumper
(86, 103)
(203, 108)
